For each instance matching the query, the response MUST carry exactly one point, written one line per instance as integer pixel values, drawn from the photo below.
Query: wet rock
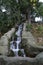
(16, 61)
(38, 60)
(2, 61)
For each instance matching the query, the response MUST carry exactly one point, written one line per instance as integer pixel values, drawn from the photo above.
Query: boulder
(4, 41)
(38, 60)
(30, 44)
(16, 61)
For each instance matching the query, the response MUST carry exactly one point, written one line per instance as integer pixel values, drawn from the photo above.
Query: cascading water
(15, 44)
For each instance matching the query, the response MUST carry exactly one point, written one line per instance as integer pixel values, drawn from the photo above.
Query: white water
(15, 47)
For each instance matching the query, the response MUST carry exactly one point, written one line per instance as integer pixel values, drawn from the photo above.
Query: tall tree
(40, 9)
(9, 14)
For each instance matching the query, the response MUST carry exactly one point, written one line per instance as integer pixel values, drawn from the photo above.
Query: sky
(40, 0)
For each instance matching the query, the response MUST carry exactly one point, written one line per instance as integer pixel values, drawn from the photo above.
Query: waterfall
(15, 44)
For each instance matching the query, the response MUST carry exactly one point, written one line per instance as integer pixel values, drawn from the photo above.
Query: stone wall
(4, 40)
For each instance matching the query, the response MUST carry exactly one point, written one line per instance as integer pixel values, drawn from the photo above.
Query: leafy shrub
(28, 27)
(40, 28)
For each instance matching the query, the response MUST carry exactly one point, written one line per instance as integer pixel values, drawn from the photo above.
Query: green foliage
(9, 18)
(13, 12)
(40, 9)
(28, 27)
(23, 5)
(40, 28)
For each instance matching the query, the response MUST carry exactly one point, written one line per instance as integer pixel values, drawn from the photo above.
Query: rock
(32, 49)
(40, 55)
(39, 59)
(4, 41)
(16, 61)
(2, 61)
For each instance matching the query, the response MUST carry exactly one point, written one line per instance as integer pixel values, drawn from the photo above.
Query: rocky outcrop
(4, 40)
(32, 49)
(16, 60)
(38, 60)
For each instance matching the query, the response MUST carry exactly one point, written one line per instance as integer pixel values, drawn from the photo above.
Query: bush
(28, 27)
(40, 28)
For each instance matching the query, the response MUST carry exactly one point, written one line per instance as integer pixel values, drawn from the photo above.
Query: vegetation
(10, 16)
(40, 9)
(13, 11)
(28, 27)
(40, 28)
